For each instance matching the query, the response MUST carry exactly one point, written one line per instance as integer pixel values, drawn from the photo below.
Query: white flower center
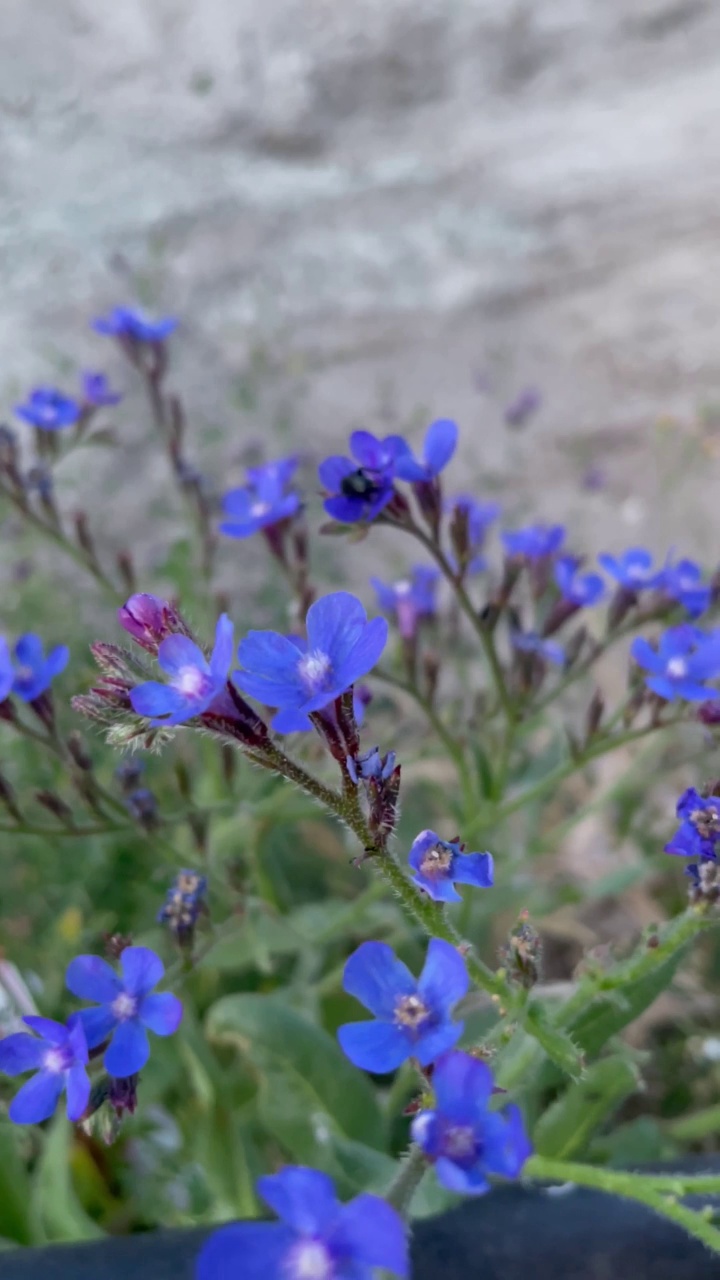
(403, 588)
(411, 1012)
(459, 1142)
(190, 680)
(309, 1260)
(24, 673)
(314, 669)
(124, 1007)
(259, 509)
(437, 861)
(55, 1060)
(677, 668)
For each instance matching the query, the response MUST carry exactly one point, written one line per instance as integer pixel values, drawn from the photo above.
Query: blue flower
(633, 570)
(48, 409)
(34, 672)
(360, 489)
(372, 766)
(97, 390)
(699, 831)
(531, 642)
(341, 647)
(132, 324)
(127, 1009)
(410, 599)
(7, 670)
(262, 502)
(684, 658)
(534, 542)
(441, 864)
(581, 589)
(439, 446)
(413, 1016)
(523, 407)
(683, 582)
(317, 1238)
(58, 1054)
(194, 682)
(464, 1139)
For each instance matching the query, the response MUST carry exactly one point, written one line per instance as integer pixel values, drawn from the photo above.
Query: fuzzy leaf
(564, 1130)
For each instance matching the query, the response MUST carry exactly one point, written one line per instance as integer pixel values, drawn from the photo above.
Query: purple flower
(441, 864)
(262, 502)
(48, 409)
(684, 658)
(581, 589)
(413, 1016)
(58, 1054)
(34, 673)
(464, 1139)
(439, 446)
(410, 599)
(7, 670)
(317, 1238)
(683, 582)
(522, 408)
(131, 323)
(360, 489)
(194, 682)
(127, 1008)
(296, 678)
(531, 642)
(534, 542)
(97, 390)
(149, 620)
(699, 831)
(633, 569)
(371, 766)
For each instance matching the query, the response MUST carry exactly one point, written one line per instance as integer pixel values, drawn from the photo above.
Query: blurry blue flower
(683, 582)
(413, 1016)
(683, 659)
(371, 766)
(441, 864)
(341, 647)
(522, 408)
(463, 1138)
(479, 516)
(531, 642)
(439, 446)
(581, 589)
(97, 390)
(263, 501)
(58, 1054)
(535, 541)
(360, 489)
(362, 697)
(318, 1238)
(699, 831)
(410, 599)
(130, 322)
(48, 409)
(127, 1008)
(194, 682)
(184, 903)
(34, 672)
(633, 570)
(7, 670)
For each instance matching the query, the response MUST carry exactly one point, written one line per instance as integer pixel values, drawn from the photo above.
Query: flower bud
(150, 620)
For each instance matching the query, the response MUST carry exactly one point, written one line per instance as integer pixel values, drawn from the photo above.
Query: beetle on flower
(358, 489)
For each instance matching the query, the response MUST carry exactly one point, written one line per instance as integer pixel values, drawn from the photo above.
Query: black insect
(358, 484)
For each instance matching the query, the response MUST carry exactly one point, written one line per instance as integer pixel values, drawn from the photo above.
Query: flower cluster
(26, 671)
(361, 487)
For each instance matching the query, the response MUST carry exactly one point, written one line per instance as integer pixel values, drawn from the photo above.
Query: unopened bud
(116, 943)
(150, 620)
(142, 805)
(53, 803)
(521, 956)
(78, 752)
(594, 715)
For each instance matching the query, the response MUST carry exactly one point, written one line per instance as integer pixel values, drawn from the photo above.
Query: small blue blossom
(464, 1139)
(534, 542)
(7, 670)
(34, 673)
(317, 1238)
(48, 409)
(194, 682)
(441, 864)
(531, 642)
(264, 501)
(581, 589)
(58, 1054)
(633, 570)
(413, 1016)
(298, 678)
(699, 831)
(684, 658)
(360, 489)
(128, 1008)
(683, 582)
(410, 599)
(133, 324)
(439, 446)
(96, 390)
(372, 766)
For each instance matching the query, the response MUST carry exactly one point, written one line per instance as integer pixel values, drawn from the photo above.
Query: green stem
(452, 746)
(56, 535)
(695, 1127)
(407, 1180)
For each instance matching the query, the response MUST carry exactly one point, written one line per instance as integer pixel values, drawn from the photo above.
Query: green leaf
(223, 1150)
(308, 1091)
(566, 1126)
(58, 1212)
(610, 1013)
(558, 1045)
(258, 938)
(14, 1189)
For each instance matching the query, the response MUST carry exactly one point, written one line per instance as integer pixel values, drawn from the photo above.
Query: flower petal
(29, 651)
(364, 654)
(439, 888)
(335, 624)
(444, 979)
(384, 1245)
(222, 654)
(333, 471)
(375, 976)
(303, 1198)
(37, 1099)
(474, 868)
(253, 1250)
(57, 661)
(466, 1182)
(644, 654)
(78, 1091)
(438, 1040)
(142, 969)
(129, 1050)
(91, 978)
(176, 652)
(462, 1086)
(97, 1024)
(237, 503)
(55, 1032)
(291, 721)
(269, 664)
(153, 699)
(21, 1052)
(375, 1046)
(440, 444)
(161, 1013)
